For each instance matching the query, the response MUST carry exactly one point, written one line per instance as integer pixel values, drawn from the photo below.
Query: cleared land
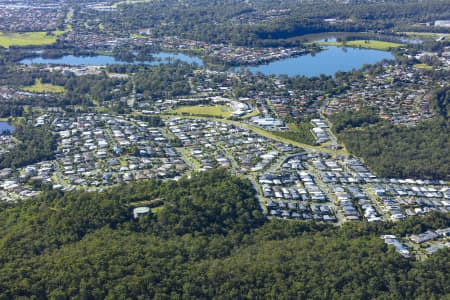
(215, 111)
(28, 38)
(39, 87)
(367, 44)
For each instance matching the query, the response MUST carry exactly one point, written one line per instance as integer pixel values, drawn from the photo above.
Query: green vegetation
(188, 155)
(254, 113)
(35, 144)
(115, 5)
(28, 38)
(368, 44)
(39, 87)
(164, 81)
(441, 103)
(216, 22)
(423, 66)
(353, 119)
(299, 133)
(209, 241)
(398, 151)
(152, 121)
(221, 111)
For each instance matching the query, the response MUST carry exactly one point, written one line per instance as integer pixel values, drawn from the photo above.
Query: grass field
(115, 5)
(367, 44)
(39, 87)
(216, 111)
(187, 154)
(423, 66)
(254, 113)
(28, 38)
(292, 126)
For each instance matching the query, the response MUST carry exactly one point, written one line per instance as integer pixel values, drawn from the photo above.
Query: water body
(101, 60)
(5, 127)
(328, 61)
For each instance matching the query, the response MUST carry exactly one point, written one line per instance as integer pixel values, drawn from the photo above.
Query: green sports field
(28, 38)
(39, 87)
(368, 44)
(216, 111)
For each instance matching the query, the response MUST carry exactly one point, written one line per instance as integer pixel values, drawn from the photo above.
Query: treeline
(10, 109)
(208, 241)
(164, 81)
(399, 151)
(250, 23)
(35, 144)
(352, 119)
(301, 134)
(79, 90)
(441, 102)
(150, 82)
(152, 121)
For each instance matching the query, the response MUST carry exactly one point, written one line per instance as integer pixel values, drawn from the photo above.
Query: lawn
(115, 5)
(368, 44)
(187, 154)
(39, 87)
(28, 38)
(215, 111)
(423, 67)
(254, 113)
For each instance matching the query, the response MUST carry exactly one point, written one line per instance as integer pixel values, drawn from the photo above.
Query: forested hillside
(208, 240)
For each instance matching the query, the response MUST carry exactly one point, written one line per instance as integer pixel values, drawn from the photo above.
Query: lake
(329, 61)
(5, 127)
(101, 60)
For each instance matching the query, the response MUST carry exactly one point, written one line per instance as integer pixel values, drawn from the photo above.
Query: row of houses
(211, 143)
(30, 16)
(320, 131)
(113, 149)
(434, 239)
(301, 211)
(408, 103)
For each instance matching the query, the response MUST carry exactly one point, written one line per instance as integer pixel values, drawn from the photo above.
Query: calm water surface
(100, 60)
(5, 127)
(328, 61)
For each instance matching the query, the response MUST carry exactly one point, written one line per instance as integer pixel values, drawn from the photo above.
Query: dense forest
(208, 240)
(257, 23)
(164, 81)
(422, 151)
(34, 144)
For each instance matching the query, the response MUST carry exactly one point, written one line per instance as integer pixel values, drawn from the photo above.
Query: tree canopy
(208, 240)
